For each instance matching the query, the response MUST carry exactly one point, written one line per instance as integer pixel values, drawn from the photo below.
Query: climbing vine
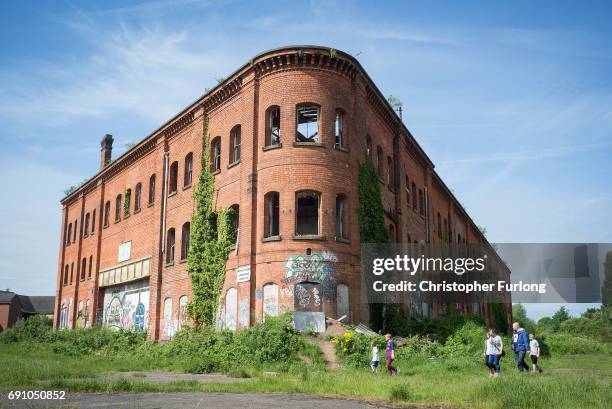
(126, 201)
(209, 244)
(372, 224)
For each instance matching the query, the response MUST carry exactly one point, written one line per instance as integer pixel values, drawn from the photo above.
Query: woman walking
(493, 351)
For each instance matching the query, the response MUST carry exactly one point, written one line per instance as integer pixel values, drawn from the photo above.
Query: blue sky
(512, 102)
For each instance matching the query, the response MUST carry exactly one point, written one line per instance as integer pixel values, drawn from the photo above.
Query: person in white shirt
(493, 351)
(375, 357)
(534, 353)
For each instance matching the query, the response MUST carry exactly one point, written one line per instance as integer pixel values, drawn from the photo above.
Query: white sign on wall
(125, 251)
(243, 274)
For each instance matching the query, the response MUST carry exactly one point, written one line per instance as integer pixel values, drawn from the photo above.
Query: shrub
(400, 393)
(571, 344)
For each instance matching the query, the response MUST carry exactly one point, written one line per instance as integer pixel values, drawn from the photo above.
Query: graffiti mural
(317, 267)
(126, 307)
(307, 297)
(182, 312)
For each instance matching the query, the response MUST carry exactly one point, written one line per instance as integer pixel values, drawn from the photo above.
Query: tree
(561, 315)
(519, 314)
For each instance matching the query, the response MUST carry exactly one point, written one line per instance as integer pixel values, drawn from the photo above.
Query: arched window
(421, 203)
(118, 208)
(414, 196)
(66, 272)
(170, 241)
(185, 231)
(339, 128)
(235, 144)
(342, 300)
(215, 154)
(168, 324)
(407, 192)
(71, 271)
(182, 312)
(137, 197)
(188, 175)
(271, 214)
(127, 205)
(273, 130)
(379, 161)
(341, 213)
(107, 210)
(83, 268)
(307, 124)
(234, 223)
(74, 236)
(90, 266)
(69, 235)
(369, 147)
(231, 307)
(390, 172)
(307, 213)
(152, 189)
(93, 221)
(172, 183)
(86, 228)
(270, 300)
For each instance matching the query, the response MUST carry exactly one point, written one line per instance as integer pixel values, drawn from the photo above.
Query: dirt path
(188, 400)
(329, 352)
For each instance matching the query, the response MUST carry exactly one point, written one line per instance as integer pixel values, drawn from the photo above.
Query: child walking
(534, 353)
(375, 357)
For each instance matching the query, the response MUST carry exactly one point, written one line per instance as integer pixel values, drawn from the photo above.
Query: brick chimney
(106, 150)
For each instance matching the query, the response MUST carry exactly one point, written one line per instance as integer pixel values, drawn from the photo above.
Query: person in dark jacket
(520, 346)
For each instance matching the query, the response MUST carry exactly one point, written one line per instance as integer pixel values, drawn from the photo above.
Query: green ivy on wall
(126, 201)
(209, 245)
(371, 216)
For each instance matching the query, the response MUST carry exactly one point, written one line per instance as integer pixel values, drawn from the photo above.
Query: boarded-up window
(342, 300)
(270, 300)
(231, 308)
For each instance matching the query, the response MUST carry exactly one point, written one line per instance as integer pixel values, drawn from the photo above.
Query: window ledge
(126, 216)
(341, 148)
(170, 264)
(172, 194)
(136, 211)
(85, 236)
(271, 238)
(117, 220)
(186, 186)
(150, 204)
(216, 172)
(105, 226)
(271, 147)
(312, 144)
(233, 247)
(182, 261)
(231, 165)
(342, 240)
(381, 180)
(309, 237)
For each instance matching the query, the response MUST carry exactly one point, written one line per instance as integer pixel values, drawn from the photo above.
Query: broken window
(339, 128)
(390, 172)
(118, 203)
(86, 228)
(271, 214)
(308, 124)
(421, 203)
(69, 235)
(93, 221)
(307, 213)
(235, 144)
(341, 230)
(188, 175)
(170, 240)
(137, 197)
(369, 148)
(234, 224)
(215, 154)
(83, 268)
(185, 240)
(126, 204)
(379, 161)
(414, 196)
(152, 189)
(172, 184)
(273, 122)
(107, 211)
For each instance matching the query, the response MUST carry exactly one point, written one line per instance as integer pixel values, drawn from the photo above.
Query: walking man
(520, 346)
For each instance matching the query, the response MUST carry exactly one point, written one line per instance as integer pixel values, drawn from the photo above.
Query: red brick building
(287, 130)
